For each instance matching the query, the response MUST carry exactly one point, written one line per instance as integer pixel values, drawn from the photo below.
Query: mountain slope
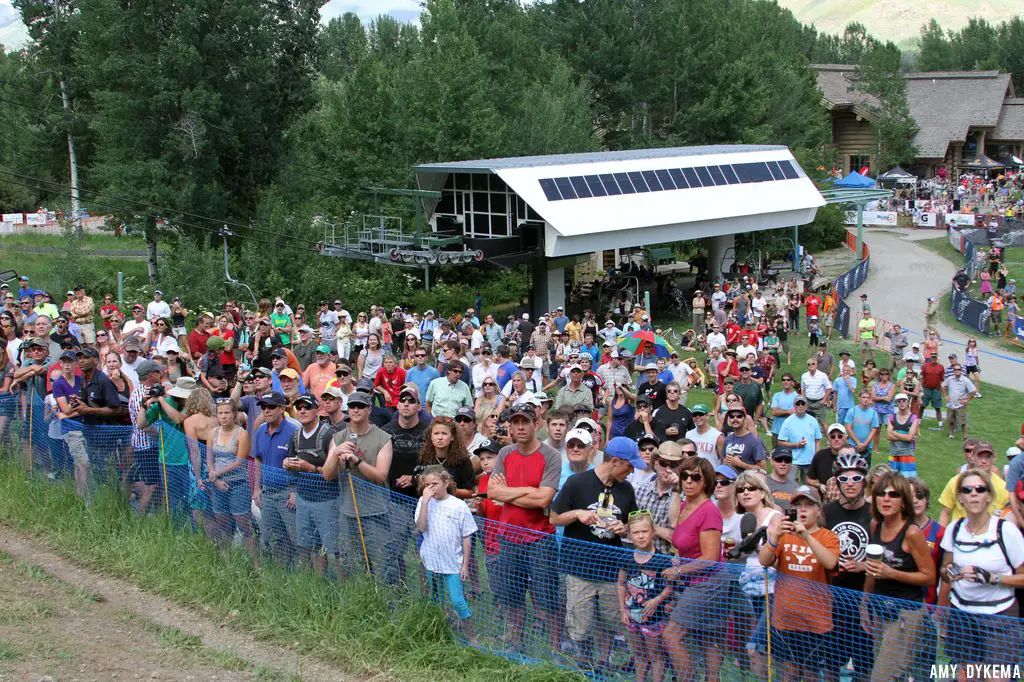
(898, 20)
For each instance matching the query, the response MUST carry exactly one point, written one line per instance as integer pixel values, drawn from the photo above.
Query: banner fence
(580, 604)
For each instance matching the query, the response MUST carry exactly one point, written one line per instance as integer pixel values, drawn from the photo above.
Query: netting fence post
(163, 465)
(31, 427)
(359, 522)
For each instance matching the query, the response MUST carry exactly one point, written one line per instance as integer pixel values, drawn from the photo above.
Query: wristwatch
(997, 579)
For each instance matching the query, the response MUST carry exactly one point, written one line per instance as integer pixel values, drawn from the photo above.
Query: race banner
(926, 219)
(1018, 329)
(35, 219)
(14, 218)
(842, 322)
(960, 219)
(974, 314)
(956, 240)
(882, 218)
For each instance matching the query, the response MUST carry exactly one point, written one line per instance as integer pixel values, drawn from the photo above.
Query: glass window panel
(652, 181)
(499, 226)
(610, 184)
(498, 203)
(550, 190)
(462, 181)
(716, 175)
(580, 185)
(678, 178)
(497, 184)
(565, 188)
(480, 204)
(480, 181)
(624, 183)
(596, 188)
(691, 177)
(446, 204)
(638, 181)
(665, 178)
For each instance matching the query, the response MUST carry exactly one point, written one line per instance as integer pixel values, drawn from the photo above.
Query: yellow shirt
(866, 327)
(574, 329)
(949, 499)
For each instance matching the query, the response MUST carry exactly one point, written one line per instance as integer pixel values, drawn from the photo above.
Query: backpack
(999, 539)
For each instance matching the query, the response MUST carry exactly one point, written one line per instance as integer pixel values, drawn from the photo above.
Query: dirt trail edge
(124, 595)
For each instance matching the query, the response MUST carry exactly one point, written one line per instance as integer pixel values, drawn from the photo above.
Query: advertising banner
(884, 218)
(974, 314)
(926, 219)
(956, 240)
(842, 323)
(35, 218)
(1018, 329)
(960, 219)
(14, 218)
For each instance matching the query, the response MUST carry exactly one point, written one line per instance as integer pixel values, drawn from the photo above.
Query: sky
(14, 35)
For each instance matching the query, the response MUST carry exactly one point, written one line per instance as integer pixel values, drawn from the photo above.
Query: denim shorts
(236, 500)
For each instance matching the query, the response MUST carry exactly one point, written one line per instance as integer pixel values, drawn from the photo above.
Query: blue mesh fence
(529, 594)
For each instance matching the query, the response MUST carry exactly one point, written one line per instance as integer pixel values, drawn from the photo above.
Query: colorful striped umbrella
(646, 343)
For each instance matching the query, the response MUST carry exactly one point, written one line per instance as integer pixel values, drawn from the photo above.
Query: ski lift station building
(548, 210)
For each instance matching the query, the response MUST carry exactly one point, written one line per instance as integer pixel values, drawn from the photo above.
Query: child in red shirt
(487, 511)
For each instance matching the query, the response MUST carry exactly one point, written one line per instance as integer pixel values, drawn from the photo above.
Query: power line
(164, 212)
(122, 207)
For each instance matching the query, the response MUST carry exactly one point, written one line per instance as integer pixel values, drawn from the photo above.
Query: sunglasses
(490, 383)
(747, 489)
(836, 436)
(648, 448)
(344, 374)
(419, 355)
(783, 459)
(968, 489)
(463, 420)
(694, 476)
(891, 494)
(850, 478)
(731, 417)
(918, 495)
(304, 407)
(723, 482)
(674, 466)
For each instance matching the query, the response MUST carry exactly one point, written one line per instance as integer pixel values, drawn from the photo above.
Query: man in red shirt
(813, 304)
(524, 482)
(198, 337)
(932, 374)
(108, 310)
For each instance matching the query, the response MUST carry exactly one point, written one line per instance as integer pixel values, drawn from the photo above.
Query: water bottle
(354, 439)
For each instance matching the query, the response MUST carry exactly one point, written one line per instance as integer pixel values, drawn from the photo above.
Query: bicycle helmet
(850, 462)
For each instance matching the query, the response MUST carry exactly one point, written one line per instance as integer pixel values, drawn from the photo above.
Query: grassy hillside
(898, 20)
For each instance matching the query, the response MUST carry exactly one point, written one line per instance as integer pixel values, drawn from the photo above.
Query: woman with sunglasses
(360, 330)
(901, 432)
(697, 536)
(753, 496)
(983, 564)
(972, 364)
(892, 608)
(883, 391)
(409, 348)
(160, 337)
(486, 400)
(623, 409)
(343, 338)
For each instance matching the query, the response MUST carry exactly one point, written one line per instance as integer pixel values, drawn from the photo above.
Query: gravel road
(902, 276)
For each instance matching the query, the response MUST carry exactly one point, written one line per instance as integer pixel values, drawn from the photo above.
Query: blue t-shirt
(844, 394)
(795, 428)
(862, 420)
(783, 401)
(505, 372)
(272, 450)
(421, 377)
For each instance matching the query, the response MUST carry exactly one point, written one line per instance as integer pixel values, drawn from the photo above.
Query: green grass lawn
(942, 247)
(994, 417)
(55, 273)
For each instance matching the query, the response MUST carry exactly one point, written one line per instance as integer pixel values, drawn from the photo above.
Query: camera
(418, 470)
(791, 515)
(157, 390)
(501, 431)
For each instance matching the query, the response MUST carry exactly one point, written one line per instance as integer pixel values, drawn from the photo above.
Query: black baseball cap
(273, 399)
(306, 399)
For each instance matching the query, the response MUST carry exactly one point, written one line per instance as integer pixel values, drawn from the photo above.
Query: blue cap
(621, 447)
(726, 471)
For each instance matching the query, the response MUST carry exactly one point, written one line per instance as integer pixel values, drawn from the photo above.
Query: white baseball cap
(582, 435)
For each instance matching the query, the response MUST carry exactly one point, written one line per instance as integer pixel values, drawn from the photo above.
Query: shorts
(318, 524)
(235, 500)
(815, 408)
(647, 629)
(866, 344)
(801, 648)
(972, 369)
(179, 332)
(698, 609)
(957, 416)
(147, 466)
(580, 611)
(976, 638)
(932, 398)
(530, 566)
(841, 413)
(88, 332)
(827, 320)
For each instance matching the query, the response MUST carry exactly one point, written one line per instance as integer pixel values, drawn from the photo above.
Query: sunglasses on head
(639, 512)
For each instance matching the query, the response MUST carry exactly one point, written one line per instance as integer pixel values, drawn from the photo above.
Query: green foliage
(878, 75)
(978, 45)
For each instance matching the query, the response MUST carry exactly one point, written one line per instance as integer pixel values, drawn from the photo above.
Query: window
(858, 161)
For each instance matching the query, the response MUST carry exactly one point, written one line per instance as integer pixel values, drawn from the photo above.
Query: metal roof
(733, 202)
(492, 165)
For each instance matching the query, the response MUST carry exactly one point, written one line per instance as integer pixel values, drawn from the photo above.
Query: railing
(848, 282)
(745, 621)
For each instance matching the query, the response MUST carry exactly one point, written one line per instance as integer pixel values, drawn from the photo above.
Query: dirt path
(60, 622)
(903, 275)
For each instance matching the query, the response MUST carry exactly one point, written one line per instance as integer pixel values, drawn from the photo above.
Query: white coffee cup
(874, 552)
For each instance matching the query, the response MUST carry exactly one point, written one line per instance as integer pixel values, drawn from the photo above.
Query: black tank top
(896, 557)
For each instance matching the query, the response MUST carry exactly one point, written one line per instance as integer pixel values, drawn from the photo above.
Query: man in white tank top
(708, 439)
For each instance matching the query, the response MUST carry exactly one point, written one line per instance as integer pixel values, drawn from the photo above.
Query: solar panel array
(666, 180)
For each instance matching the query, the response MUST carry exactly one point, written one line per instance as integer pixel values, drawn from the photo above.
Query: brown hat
(670, 451)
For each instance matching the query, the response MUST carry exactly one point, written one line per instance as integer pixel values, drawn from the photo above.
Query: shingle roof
(945, 105)
(1011, 120)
